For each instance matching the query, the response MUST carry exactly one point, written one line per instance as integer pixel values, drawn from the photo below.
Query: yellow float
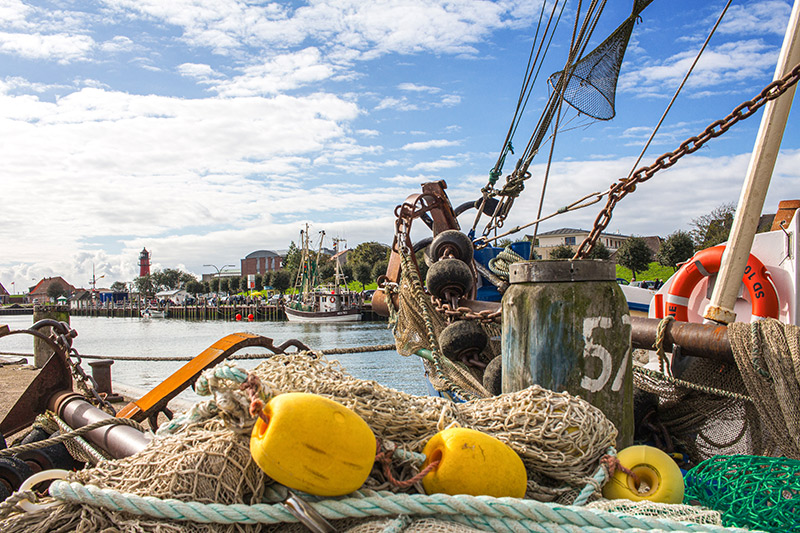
(660, 479)
(313, 444)
(474, 463)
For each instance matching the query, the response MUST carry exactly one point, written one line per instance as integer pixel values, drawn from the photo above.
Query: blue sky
(206, 129)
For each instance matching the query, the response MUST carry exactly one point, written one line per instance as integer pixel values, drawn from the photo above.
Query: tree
(562, 251)
(293, 257)
(214, 285)
(599, 251)
(635, 255)
(224, 285)
(713, 228)
(379, 269)
(259, 282)
(347, 271)
(281, 279)
(363, 274)
(677, 248)
(119, 286)
(194, 287)
(145, 286)
(233, 284)
(56, 290)
(326, 271)
(368, 253)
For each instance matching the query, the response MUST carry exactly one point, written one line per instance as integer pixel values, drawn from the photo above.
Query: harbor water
(159, 338)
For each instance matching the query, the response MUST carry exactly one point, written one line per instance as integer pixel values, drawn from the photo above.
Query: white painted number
(595, 350)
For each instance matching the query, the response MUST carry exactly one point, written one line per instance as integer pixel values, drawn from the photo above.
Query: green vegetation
(654, 271)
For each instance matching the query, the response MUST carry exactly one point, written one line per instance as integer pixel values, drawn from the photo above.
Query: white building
(572, 237)
(177, 296)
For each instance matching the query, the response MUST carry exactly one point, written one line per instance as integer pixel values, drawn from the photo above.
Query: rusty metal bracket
(151, 404)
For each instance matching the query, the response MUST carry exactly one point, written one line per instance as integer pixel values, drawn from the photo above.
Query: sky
(204, 130)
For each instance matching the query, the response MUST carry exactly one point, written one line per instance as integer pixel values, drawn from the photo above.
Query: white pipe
(754, 191)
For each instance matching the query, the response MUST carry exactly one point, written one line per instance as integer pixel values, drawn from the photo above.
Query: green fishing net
(750, 491)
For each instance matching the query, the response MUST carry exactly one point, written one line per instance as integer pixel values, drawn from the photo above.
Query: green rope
(500, 514)
(500, 264)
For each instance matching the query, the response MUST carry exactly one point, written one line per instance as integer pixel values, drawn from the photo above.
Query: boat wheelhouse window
(569, 240)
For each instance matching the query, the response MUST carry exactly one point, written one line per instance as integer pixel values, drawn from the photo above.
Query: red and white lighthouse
(144, 263)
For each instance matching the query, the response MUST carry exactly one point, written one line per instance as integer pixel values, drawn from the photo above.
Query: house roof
(45, 283)
(262, 253)
(574, 231)
(3, 290)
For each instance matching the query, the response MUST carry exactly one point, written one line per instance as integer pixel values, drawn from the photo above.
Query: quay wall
(191, 312)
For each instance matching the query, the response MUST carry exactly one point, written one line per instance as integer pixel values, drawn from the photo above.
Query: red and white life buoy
(763, 296)
(332, 299)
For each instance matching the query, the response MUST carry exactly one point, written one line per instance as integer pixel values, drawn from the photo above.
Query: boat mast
(754, 191)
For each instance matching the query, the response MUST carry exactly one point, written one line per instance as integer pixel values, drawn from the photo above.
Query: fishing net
(592, 84)
(204, 457)
(750, 491)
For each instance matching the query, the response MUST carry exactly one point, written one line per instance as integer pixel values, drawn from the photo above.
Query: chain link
(627, 185)
(487, 316)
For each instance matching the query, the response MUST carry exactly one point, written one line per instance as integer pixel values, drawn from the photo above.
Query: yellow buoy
(474, 463)
(313, 444)
(659, 478)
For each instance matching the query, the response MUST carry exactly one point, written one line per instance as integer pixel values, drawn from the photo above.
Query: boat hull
(348, 315)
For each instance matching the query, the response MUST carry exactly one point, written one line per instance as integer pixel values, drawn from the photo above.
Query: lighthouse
(144, 263)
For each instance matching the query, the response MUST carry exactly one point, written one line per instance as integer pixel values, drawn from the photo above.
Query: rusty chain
(622, 187)
(487, 316)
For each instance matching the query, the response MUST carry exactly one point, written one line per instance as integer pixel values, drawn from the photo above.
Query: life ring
(763, 296)
(332, 299)
(658, 477)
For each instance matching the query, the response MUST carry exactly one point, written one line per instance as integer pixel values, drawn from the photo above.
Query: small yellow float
(474, 463)
(659, 478)
(313, 444)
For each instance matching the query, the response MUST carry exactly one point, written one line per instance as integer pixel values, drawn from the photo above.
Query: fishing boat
(322, 303)
(151, 312)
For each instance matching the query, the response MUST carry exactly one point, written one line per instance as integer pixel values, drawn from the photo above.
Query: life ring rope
(763, 295)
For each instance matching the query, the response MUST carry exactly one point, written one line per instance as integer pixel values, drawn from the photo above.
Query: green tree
(368, 253)
(635, 255)
(713, 228)
(293, 256)
(56, 290)
(206, 287)
(363, 274)
(119, 286)
(677, 248)
(194, 287)
(233, 284)
(326, 271)
(379, 269)
(347, 271)
(145, 286)
(599, 251)
(214, 285)
(281, 280)
(224, 285)
(259, 282)
(562, 251)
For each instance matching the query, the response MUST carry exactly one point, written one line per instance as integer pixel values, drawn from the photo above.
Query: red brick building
(261, 262)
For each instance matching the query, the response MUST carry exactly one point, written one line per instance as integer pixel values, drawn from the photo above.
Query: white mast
(754, 191)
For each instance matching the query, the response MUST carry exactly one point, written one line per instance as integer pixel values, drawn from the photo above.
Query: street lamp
(218, 276)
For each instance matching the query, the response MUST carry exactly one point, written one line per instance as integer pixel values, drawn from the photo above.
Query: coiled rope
(499, 514)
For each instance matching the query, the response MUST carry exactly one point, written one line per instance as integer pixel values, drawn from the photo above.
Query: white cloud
(768, 16)
(418, 88)
(433, 143)
(63, 48)
(433, 166)
(197, 70)
(118, 44)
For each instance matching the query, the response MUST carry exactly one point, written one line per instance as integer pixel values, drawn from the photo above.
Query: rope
(243, 357)
(504, 514)
(693, 386)
(9, 505)
(71, 434)
(663, 362)
(499, 265)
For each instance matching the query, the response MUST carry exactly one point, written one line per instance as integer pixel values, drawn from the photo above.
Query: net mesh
(749, 491)
(592, 84)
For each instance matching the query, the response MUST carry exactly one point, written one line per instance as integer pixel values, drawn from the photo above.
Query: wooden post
(566, 327)
(41, 351)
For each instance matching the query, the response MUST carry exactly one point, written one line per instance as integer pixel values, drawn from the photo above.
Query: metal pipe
(754, 191)
(119, 441)
(709, 341)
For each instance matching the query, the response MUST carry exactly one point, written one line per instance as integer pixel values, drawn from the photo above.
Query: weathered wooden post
(566, 327)
(41, 351)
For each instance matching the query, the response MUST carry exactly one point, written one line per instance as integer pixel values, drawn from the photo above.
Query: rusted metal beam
(697, 340)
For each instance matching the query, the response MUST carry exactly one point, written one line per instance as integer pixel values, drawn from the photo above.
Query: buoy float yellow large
(474, 463)
(313, 444)
(660, 479)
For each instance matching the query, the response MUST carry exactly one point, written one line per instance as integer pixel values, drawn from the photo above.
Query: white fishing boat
(150, 312)
(322, 304)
